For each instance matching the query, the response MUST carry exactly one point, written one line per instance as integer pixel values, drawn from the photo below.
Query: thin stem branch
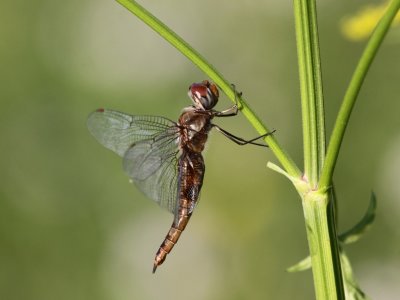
(351, 94)
(215, 76)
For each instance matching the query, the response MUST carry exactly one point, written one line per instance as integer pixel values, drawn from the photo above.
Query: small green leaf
(355, 233)
(351, 287)
(279, 170)
(302, 265)
(301, 186)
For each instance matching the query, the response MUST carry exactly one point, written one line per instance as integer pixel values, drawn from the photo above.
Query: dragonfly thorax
(194, 128)
(204, 95)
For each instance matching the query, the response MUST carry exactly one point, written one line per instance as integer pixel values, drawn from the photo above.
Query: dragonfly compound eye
(204, 95)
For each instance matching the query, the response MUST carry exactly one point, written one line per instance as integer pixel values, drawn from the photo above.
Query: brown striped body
(194, 126)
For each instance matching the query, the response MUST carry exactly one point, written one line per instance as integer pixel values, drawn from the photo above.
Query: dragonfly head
(204, 95)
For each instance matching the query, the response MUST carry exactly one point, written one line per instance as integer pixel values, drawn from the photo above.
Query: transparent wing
(149, 147)
(119, 131)
(153, 166)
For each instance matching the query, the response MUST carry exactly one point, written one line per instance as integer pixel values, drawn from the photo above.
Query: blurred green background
(71, 225)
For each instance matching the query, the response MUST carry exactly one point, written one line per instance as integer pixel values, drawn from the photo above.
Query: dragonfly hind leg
(239, 140)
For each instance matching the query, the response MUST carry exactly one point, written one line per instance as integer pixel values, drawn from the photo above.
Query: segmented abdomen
(191, 173)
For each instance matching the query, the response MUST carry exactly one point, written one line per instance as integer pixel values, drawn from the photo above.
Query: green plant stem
(306, 88)
(310, 88)
(319, 95)
(352, 92)
(327, 281)
(319, 217)
(215, 76)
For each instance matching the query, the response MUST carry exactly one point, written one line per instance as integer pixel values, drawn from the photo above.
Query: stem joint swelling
(317, 196)
(302, 185)
(308, 192)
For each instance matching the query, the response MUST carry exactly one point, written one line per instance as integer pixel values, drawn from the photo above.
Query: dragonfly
(164, 158)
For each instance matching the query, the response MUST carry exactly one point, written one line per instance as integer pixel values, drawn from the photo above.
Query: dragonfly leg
(234, 109)
(231, 111)
(239, 140)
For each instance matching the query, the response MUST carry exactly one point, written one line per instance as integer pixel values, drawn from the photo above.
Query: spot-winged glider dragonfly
(164, 158)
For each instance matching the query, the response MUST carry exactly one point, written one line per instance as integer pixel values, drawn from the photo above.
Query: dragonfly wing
(119, 131)
(153, 166)
(149, 146)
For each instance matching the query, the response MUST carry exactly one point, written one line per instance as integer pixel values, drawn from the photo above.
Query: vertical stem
(306, 84)
(334, 243)
(310, 88)
(324, 252)
(319, 217)
(319, 96)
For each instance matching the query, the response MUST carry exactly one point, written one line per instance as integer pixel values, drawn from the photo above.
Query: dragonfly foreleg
(233, 110)
(239, 140)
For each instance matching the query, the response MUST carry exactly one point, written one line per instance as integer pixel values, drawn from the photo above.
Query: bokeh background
(73, 227)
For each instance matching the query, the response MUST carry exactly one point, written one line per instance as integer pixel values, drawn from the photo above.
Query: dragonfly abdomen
(170, 240)
(191, 178)
(174, 232)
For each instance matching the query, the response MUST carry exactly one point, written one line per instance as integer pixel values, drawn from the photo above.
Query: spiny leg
(233, 110)
(240, 141)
